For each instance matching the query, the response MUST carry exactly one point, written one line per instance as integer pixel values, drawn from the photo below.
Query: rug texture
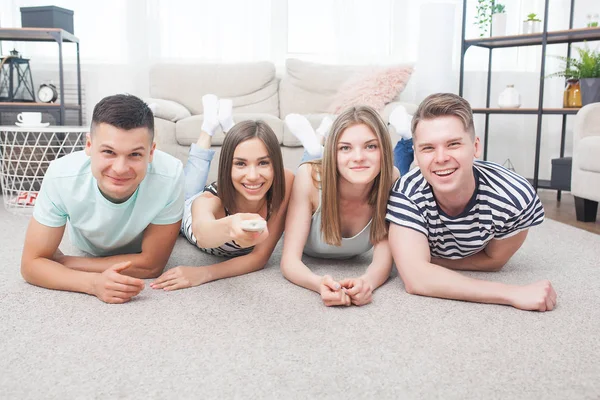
(259, 336)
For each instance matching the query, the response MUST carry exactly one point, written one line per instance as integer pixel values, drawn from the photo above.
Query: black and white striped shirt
(502, 205)
(227, 249)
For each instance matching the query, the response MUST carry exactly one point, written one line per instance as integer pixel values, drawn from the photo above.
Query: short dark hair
(123, 111)
(242, 131)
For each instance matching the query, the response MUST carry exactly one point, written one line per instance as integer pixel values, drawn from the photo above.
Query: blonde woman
(337, 208)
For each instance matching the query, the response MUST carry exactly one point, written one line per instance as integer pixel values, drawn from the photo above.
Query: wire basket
(24, 159)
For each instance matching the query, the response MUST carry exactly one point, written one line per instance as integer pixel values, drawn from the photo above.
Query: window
(209, 30)
(342, 31)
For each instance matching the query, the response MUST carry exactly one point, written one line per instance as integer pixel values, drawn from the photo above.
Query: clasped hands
(348, 291)
(111, 286)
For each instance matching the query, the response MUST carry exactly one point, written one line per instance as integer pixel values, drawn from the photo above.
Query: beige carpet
(258, 336)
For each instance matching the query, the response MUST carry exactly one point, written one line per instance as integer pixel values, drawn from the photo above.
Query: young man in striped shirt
(458, 213)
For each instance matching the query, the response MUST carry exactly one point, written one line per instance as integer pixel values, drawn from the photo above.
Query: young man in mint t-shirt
(123, 201)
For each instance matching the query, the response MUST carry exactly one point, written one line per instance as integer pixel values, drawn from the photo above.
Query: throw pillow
(374, 88)
(167, 109)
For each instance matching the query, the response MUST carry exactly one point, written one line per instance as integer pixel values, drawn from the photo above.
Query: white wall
(99, 80)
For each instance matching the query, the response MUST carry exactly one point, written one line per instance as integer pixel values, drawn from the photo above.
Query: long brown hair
(241, 132)
(331, 227)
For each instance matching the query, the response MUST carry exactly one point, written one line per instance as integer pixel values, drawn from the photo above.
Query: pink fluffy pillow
(374, 88)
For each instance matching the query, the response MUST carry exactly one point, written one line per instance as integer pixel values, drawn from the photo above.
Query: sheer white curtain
(342, 31)
(130, 31)
(209, 30)
(336, 31)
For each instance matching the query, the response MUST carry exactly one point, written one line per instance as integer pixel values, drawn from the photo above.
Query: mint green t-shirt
(70, 193)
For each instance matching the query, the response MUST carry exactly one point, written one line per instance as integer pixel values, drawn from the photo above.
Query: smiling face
(358, 155)
(252, 170)
(444, 152)
(119, 159)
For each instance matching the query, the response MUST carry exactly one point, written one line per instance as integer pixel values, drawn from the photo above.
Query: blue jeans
(196, 170)
(307, 157)
(403, 155)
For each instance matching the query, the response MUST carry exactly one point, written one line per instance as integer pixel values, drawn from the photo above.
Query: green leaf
(533, 17)
(586, 66)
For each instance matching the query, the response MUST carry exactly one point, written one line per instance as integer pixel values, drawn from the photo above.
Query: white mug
(30, 118)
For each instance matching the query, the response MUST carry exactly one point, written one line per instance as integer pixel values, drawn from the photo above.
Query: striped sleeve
(531, 215)
(404, 212)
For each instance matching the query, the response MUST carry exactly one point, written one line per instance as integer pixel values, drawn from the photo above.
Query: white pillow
(167, 109)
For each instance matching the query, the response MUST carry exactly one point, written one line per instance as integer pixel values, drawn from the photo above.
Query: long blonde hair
(327, 168)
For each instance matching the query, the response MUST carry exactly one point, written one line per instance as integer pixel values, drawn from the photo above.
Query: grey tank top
(316, 247)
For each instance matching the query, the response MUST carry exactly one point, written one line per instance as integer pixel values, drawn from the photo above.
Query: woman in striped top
(458, 213)
(252, 185)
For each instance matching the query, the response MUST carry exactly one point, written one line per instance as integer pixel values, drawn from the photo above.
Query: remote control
(253, 225)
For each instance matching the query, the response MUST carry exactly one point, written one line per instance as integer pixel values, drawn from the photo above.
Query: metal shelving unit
(543, 39)
(59, 36)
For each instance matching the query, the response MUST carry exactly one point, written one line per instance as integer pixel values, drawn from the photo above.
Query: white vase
(509, 98)
(499, 24)
(531, 27)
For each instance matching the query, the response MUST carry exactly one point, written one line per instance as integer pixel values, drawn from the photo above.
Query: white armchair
(585, 176)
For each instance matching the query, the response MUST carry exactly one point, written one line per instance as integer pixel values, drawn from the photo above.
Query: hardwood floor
(564, 210)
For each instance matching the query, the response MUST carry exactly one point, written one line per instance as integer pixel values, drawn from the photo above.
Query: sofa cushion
(587, 152)
(375, 88)
(253, 87)
(188, 129)
(310, 88)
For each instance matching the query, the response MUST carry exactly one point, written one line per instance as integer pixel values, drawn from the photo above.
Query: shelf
(535, 39)
(51, 128)
(543, 39)
(37, 35)
(58, 36)
(533, 111)
(43, 106)
(543, 184)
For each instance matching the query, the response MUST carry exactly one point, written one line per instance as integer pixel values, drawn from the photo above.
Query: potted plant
(498, 20)
(586, 69)
(490, 12)
(531, 24)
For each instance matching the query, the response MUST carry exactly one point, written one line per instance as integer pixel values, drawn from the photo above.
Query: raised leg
(198, 164)
(586, 210)
(403, 155)
(300, 127)
(197, 167)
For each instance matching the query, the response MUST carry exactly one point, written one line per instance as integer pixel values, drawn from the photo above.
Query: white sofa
(585, 175)
(257, 93)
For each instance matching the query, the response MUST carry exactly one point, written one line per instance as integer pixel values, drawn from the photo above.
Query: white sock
(210, 103)
(401, 122)
(303, 130)
(226, 114)
(325, 127)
